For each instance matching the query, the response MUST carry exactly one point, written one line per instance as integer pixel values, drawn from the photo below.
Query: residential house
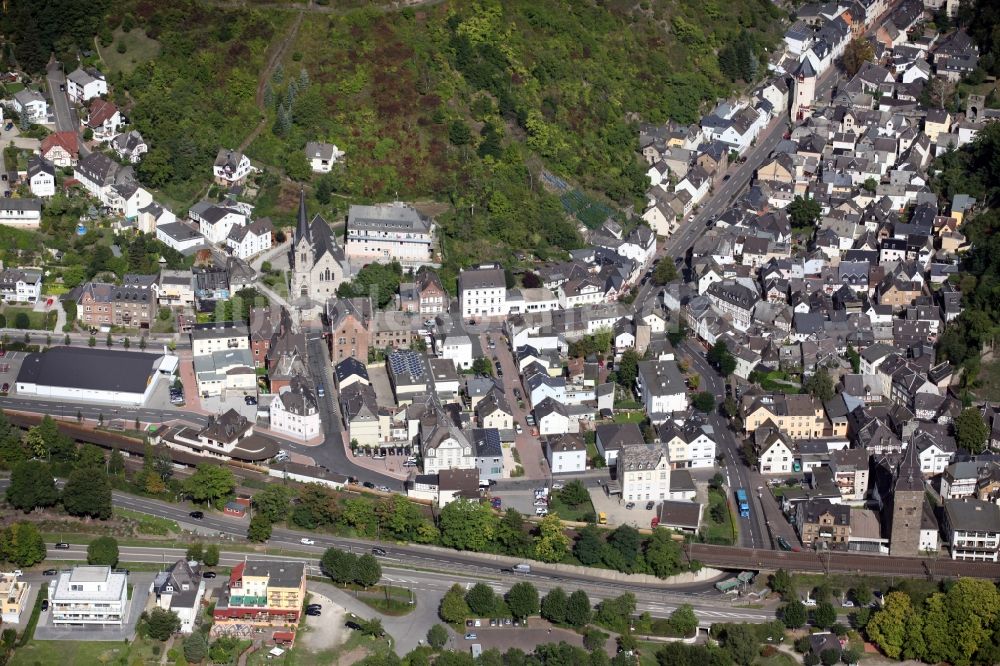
(322, 156)
(820, 521)
(644, 472)
(131, 304)
(217, 220)
(734, 300)
(250, 240)
(457, 347)
(103, 119)
(61, 148)
(689, 443)
(83, 85)
(552, 418)
(219, 336)
(482, 291)
(360, 411)
(349, 328)
(389, 232)
(566, 453)
(230, 168)
(180, 589)
(31, 105)
(661, 389)
(489, 453)
(130, 146)
(775, 451)
(14, 594)
(444, 445)
(41, 177)
(425, 296)
(20, 285)
(850, 472)
(972, 529)
(20, 212)
(493, 411)
(610, 438)
(295, 410)
(797, 416)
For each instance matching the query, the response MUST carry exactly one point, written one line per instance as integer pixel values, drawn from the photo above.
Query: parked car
(558, 485)
(847, 603)
(45, 604)
(518, 429)
(314, 607)
(650, 505)
(209, 574)
(630, 505)
(197, 514)
(62, 545)
(50, 572)
(320, 391)
(384, 489)
(250, 400)
(471, 636)
(368, 484)
(314, 613)
(541, 511)
(5, 388)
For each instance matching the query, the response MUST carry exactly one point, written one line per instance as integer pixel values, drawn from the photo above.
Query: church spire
(302, 230)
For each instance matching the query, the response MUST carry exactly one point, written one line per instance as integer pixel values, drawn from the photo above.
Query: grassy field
(988, 382)
(149, 524)
(85, 653)
(567, 512)
(629, 417)
(718, 531)
(388, 599)
(40, 321)
(138, 49)
(357, 646)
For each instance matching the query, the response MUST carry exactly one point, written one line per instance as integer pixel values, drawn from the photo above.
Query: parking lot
(10, 365)
(614, 508)
(526, 638)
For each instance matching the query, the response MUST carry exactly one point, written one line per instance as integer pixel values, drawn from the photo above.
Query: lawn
(988, 382)
(389, 599)
(716, 531)
(580, 513)
(355, 643)
(776, 659)
(85, 653)
(40, 321)
(138, 49)
(629, 417)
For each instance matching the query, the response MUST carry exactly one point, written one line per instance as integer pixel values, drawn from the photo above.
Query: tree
(887, 628)
(704, 402)
(820, 384)
(683, 621)
(781, 583)
(161, 624)
(829, 657)
(22, 544)
(210, 483)
(665, 273)
(554, 606)
(854, 358)
(663, 555)
(372, 627)
(588, 546)
(104, 551)
(825, 615)
(195, 647)
(851, 654)
(617, 612)
(794, 615)
(482, 366)
(437, 636)
(454, 608)
(458, 133)
(92, 341)
(211, 556)
(273, 502)
(338, 565)
(862, 593)
(522, 600)
(578, 609)
(857, 52)
(31, 485)
(196, 552)
(628, 368)
(741, 642)
(971, 431)
(594, 639)
(804, 212)
(367, 570)
(481, 599)
(574, 493)
(259, 529)
(552, 543)
(467, 525)
(88, 493)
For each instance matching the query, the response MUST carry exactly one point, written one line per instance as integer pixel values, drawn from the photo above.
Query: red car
(48, 303)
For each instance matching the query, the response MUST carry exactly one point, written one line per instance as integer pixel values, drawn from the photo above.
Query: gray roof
(641, 456)
(661, 377)
(972, 515)
(87, 369)
(280, 574)
(20, 204)
(481, 278)
(387, 217)
(486, 442)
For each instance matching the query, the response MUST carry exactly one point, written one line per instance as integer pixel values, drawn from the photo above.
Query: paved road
(66, 118)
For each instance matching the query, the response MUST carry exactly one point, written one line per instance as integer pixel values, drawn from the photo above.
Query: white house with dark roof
(83, 85)
(566, 453)
(610, 438)
(180, 589)
(130, 146)
(482, 291)
(322, 156)
(31, 104)
(389, 232)
(295, 412)
(231, 168)
(41, 177)
(552, 418)
(250, 240)
(217, 220)
(661, 388)
(20, 285)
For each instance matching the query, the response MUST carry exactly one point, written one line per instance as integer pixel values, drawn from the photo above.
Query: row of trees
(87, 491)
(345, 568)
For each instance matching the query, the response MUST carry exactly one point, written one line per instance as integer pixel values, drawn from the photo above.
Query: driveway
(614, 507)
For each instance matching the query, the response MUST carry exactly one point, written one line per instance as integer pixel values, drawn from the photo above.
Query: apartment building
(262, 593)
(219, 336)
(972, 528)
(797, 416)
(820, 521)
(482, 291)
(89, 596)
(389, 232)
(132, 304)
(644, 472)
(13, 597)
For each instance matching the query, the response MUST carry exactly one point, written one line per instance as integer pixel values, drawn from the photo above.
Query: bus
(741, 501)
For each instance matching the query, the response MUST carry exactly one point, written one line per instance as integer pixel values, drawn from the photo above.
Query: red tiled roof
(100, 110)
(68, 140)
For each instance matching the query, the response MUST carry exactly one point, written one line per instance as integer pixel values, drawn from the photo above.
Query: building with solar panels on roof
(409, 375)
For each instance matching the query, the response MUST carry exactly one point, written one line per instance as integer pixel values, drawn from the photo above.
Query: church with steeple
(317, 262)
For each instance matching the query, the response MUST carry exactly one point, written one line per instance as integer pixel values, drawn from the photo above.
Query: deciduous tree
(481, 599)
(552, 543)
(794, 615)
(437, 636)
(161, 624)
(467, 525)
(338, 565)
(22, 544)
(971, 431)
(367, 570)
(522, 600)
(88, 493)
(578, 609)
(259, 529)
(31, 485)
(554, 606)
(103, 550)
(454, 608)
(210, 483)
(857, 52)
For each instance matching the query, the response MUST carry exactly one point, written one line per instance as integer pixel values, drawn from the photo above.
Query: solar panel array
(406, 361)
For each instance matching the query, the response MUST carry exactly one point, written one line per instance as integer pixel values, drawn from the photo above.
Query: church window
(303, 257)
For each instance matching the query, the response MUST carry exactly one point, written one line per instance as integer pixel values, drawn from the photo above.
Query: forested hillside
(460, 102)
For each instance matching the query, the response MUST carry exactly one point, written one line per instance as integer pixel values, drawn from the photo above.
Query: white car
(541, 511)
(558, 485)
(518, 429)
(809, 602)
(307, 542)
(847, 603)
